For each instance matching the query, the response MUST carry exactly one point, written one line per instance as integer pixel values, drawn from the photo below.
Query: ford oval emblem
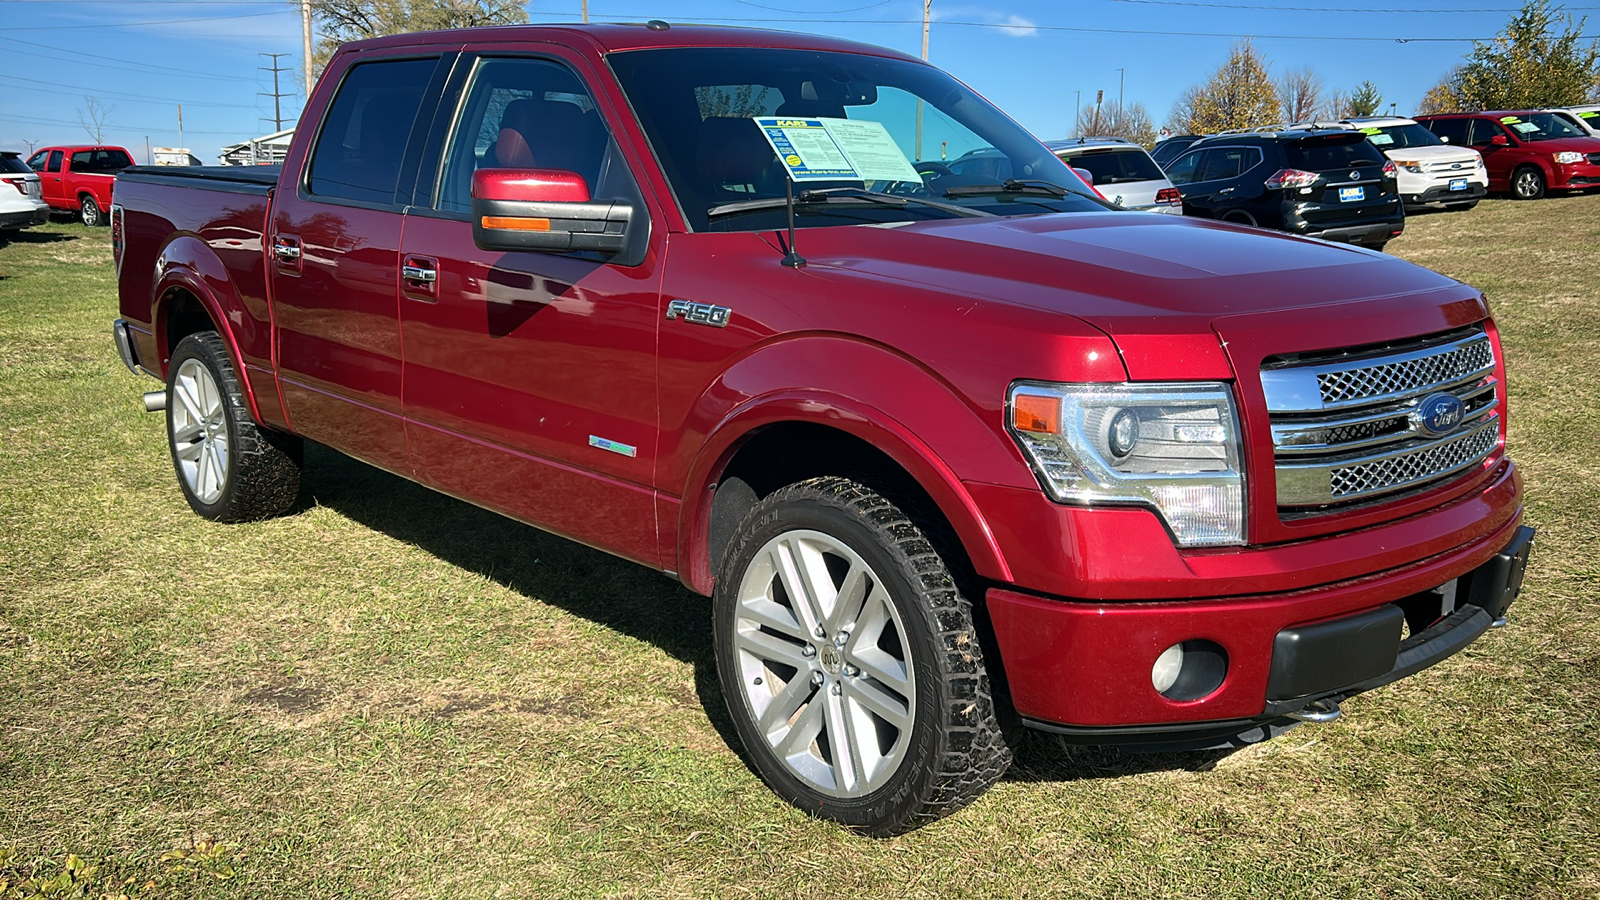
(1438, 414)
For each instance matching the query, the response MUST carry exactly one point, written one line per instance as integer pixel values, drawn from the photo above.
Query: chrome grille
(1594, 158)
(1348, 426)
(1405, 376)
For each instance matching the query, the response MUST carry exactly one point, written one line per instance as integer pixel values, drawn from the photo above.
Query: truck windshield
(697, 107)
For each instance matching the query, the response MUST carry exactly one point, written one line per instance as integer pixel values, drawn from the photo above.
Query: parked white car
(1587, 118)
(21, 203)
(1123, 173)
(1430, 170)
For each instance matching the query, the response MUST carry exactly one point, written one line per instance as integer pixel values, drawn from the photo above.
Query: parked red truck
(958, 451)
(79, 178)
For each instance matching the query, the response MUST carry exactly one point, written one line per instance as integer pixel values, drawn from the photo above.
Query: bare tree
(1181, 119)
(1300, 94)
(1337, 106)
(1114, 120)
(349, 20)
(95, 116)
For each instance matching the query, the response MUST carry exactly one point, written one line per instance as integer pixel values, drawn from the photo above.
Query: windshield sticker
(1381, 139)
(870, 149)
(828, 149)
(1372, 131)
(1525, 127)
(1593, 114)
(1509, 120)
(808, 151)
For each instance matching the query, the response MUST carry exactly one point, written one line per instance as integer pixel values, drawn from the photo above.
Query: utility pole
(277, 95)
(31, 145)
(585, 12)
(148, 159)
(305, 37)
(927, 13)
(1077, 104)
(1123, 90)
(180, 124)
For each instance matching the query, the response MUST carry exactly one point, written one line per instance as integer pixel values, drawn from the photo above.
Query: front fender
(870, 392)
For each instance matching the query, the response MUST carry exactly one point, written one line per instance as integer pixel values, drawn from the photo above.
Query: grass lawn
(390, 693)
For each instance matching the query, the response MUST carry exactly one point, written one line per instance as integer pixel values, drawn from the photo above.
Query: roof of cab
(619, 37)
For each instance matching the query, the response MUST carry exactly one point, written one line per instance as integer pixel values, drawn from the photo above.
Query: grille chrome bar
(1345, 479)
(1368, 380)
(1356, 431)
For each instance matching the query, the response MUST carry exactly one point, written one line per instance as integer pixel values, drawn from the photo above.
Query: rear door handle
(287, 252)
(419, 277)
(419, 273)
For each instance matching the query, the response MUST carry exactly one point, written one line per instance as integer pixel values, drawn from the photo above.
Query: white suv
(1123, 173)
(1587, 118)
(20, 202)
(1430, 171)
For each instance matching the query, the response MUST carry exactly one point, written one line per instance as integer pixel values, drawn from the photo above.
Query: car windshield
(873, 115)
(1398, 137)
(1117, 165)
(1541, 127)
(1333, 151)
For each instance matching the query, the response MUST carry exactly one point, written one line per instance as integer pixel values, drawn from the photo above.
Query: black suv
(1324, 183)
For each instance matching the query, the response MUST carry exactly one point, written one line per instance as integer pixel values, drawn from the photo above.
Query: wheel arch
(186, 299)
(793, 435)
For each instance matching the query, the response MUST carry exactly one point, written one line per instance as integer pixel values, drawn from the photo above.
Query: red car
(79, 178)
(952, 448)
(1527, 152)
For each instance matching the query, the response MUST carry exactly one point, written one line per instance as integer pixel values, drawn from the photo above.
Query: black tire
(230, 468)
(1239, 217)
(89, 212)
(952, 748)
(1527, 183)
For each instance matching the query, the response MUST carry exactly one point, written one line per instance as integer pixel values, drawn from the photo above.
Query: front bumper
(1084, 670)
(1575, 176)
(1441, 193)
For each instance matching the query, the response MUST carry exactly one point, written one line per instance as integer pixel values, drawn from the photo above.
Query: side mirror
(1443, 139)
(544, 210)
(1500, 140)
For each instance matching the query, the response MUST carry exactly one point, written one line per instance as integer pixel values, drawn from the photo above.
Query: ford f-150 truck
(954, 452)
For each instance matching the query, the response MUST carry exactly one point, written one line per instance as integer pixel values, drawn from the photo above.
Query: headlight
(1569, 156)
(1410, 165)
(1173, 447)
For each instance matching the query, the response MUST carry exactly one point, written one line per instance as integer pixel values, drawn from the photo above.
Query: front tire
(850, 662)
(1527, 183)
(230, 468)
(89, 212)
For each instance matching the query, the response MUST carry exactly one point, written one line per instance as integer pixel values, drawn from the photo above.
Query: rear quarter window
(1340, 151)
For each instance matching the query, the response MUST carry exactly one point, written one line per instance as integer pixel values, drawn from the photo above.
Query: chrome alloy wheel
(199, 431)
(1529, 184)
(824, 663)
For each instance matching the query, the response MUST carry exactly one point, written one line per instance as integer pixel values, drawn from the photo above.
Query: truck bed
(233, 179)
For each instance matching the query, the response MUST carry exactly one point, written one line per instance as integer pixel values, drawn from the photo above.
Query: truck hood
(1156, 284)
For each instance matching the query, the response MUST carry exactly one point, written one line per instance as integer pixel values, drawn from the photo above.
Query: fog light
(1164, 674)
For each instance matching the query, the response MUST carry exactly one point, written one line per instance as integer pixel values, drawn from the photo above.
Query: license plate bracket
(1352, 194)
(1458, 184)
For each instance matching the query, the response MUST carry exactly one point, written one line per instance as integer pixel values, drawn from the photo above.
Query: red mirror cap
(1500, 140)
(530, 185)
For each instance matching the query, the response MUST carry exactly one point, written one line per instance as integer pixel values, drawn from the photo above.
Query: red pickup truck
(79, 179)
(951, 451)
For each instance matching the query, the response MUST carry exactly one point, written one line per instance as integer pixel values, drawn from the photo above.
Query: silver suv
(1123, 173)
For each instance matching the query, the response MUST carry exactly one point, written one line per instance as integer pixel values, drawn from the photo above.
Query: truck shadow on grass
(625, 597)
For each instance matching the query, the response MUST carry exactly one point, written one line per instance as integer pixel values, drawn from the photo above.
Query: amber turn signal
(1039, 414)
(516, 223)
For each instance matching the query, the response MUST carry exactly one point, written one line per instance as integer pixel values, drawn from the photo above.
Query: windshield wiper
(829, 195)
(1009, 186)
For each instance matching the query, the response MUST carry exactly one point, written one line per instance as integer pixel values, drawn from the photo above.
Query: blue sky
(144, 57)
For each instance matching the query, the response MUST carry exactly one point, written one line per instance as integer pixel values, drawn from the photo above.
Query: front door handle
(423, 274)
(286, 252)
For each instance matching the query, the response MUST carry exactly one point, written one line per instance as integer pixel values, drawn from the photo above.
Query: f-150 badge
(699, 313)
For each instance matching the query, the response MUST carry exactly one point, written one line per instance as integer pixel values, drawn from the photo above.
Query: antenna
(792, 259)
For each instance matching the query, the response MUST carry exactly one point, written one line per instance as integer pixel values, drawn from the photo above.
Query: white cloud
(1011, 25)
(1017, 26)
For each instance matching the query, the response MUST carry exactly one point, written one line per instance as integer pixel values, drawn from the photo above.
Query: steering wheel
(930, 167)
(925, 168)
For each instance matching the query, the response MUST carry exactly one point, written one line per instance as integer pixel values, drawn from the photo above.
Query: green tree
(1442, 97)
(1364, 100)
(1240, 94)
(1536, 62)
(350, 20)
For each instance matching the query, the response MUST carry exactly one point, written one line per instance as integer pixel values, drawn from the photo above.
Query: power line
(225, 18)
(276, 95)
(75, 57)
(110, 125)
(1329, 9)
(119, 96)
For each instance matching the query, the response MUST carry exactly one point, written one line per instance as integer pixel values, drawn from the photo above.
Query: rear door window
(104, 161)
(362, 142)
(1339, 151)
(1184, 170)
(1451, 131)
(54, 165)
(1222, 163)
(1483, 132)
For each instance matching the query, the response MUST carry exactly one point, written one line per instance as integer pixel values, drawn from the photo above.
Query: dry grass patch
(392, 694)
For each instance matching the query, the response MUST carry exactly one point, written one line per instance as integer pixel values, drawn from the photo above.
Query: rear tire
(89, 212)
(230, 468)
(1527, 183)
(1238, 217)
(850, 662)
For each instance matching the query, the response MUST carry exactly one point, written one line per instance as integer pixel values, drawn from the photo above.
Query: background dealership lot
(390, 693)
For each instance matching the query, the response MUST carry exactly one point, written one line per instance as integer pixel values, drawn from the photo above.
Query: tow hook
(155, 401)
(1317, 712)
